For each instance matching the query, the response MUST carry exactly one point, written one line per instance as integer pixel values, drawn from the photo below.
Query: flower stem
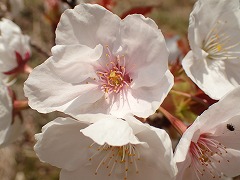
(195, 98)
(27, 69)
(177, 124)
(20, 105)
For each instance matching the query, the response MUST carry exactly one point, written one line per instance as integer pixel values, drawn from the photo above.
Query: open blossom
(102, 64)
(214, 63)
(14, 48)
(108, 149)
(9, 129)
(210, 147)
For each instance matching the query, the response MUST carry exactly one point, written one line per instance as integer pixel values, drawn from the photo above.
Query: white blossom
(102, 64)
(110, 148)
(214, 36)
(14, 48)
(210, 147)
(9, 129)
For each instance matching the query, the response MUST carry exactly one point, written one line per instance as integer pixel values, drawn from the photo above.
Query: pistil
(114, 77)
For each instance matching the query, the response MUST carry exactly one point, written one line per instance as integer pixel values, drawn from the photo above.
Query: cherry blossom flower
(9, 129)
(210, 147)
(102, 64)
(14, 48)
(213, 63)
(110, 148)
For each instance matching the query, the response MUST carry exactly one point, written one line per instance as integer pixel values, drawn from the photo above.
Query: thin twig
(195, 98)
(39, 49)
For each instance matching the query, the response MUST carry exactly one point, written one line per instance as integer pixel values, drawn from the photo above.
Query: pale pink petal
(221, 112)
(151, 135)
(184, 172)
(74, 63)
(219, 36)
(89, 25)
(5, 113)
(61, 144)
(164, 145)
(143, 101)
(50, 93)
(7, 60)
(182, 149)
(114, 132)
(231, 168)
(229, 137)
(208, 75)
(8, 28)
(11, 133)
(200, 23)
(145, 49)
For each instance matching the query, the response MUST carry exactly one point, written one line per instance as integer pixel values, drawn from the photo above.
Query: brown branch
(71, 3)
(39, 49)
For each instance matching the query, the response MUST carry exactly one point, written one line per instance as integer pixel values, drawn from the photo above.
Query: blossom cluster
(107, 74)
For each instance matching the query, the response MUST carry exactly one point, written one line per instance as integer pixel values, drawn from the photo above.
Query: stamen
(217, 44)
(115, 156)
(114, 77)
(204, 153)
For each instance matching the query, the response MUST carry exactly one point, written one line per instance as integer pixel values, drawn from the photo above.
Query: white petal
(215, 78)
(87, 24)
(184, 172)
(7, 58)
(143, 101)
(50, 93)
(220, 112)
(209, 75)
(114, 132)
(11, 133)
(158, 142)
(232, 72)
(154, 160)
(182, 149)
(145, 49)
(61, 144)
(136, 125)
(230, 168)
(74, 63)
(204, 16)
(229, 137)
(18, 43)
(8, 28)
(5, 115)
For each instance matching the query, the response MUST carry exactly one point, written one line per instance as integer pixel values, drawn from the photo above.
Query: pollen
(113, 77)
(219, 45)
(205, 153)
(109, 158)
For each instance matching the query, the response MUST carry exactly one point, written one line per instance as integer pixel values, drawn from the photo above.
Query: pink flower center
(114, 77)
(205, 153)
